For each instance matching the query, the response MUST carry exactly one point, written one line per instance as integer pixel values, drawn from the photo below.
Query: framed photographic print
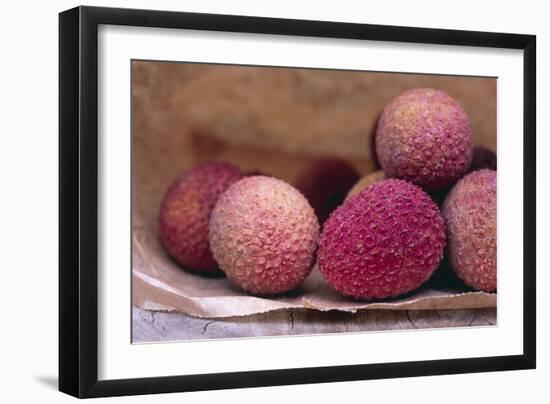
(251, 201)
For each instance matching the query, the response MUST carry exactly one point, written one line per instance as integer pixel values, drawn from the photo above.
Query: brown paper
(276, 121)
(160, 284)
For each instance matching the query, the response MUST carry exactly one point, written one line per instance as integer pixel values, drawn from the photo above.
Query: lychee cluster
(382, 237)
(422, 136)
(260, 231)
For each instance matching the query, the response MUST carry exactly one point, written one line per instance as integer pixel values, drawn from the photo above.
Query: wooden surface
(150, 326)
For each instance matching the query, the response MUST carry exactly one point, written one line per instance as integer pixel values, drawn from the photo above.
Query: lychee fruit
(185, 212)
(470, 213)
(483, 158)
(264, 234)
(424, 136)
(366, 181)
(385, 241)
(325, 184)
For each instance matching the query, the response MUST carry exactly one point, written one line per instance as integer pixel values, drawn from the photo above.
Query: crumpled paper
(275, 121)
(160, 284)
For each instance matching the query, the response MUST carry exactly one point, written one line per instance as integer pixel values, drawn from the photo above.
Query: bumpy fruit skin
(383, 242)
(483, 158)
(325, 184)
(424, 136)
(264, 234)
(470, 212)
(185, 213)
(366, 181)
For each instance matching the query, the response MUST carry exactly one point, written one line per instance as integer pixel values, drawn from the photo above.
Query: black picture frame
(78, 200)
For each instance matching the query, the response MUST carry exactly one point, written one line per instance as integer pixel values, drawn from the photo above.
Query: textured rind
(383, 242)
(325, 184)
(424, 136)
(483, 158)
(470, 212)
(185, 213)
(365, 182)
(264, 235)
